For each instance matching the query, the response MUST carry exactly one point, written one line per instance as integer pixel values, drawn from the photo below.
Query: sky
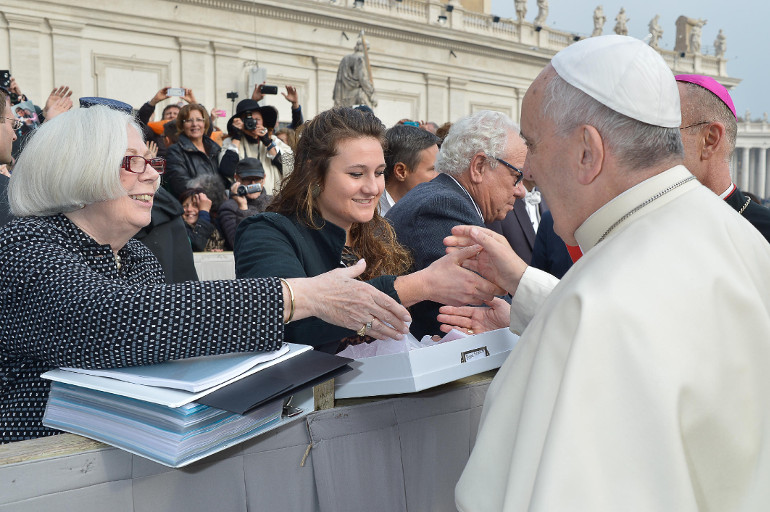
(743, 22)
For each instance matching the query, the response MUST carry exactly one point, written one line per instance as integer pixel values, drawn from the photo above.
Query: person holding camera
(247, 197)
(251, 135)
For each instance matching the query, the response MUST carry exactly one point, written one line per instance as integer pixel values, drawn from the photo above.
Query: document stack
(181, 411)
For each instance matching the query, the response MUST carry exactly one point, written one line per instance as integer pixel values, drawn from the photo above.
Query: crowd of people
(605, 230)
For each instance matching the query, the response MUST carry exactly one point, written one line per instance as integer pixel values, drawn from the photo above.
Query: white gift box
(423, 368)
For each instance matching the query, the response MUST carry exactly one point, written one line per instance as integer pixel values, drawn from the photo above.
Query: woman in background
(195, 154)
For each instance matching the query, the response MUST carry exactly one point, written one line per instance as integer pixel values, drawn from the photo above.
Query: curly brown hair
(375, 241)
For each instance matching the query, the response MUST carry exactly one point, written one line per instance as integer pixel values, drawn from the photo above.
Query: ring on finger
(367, 326)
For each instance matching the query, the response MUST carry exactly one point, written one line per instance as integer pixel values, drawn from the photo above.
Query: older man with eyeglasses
(479, 180)
(8, 127)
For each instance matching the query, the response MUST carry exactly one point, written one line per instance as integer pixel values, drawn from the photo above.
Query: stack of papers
(180, 411)
(173, 436)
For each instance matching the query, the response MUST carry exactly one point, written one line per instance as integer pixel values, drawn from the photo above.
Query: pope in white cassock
(641, 381)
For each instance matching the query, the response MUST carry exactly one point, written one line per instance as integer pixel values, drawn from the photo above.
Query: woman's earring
(315, 190)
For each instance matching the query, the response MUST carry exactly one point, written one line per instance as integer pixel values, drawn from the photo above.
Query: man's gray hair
(71, 161)
(635, 144)
(485, 132)
(704, 105)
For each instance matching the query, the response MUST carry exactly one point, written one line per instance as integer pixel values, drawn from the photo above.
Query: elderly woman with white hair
(77, 290)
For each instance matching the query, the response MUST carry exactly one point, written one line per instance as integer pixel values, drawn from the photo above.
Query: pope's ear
(590, 148)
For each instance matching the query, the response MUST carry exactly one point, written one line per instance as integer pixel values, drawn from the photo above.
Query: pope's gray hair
(71, 161)
(637, 145)
(485, 132)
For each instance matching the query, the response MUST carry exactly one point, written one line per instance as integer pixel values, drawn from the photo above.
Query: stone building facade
(431, 60)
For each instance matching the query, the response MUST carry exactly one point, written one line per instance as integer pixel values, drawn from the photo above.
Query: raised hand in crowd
(15, 91)
(291, 96)
(152, 148)
(257, 95)
(57, 93)
(497, 262)
(161, 95)
(475, 320)
(58, 102)
(189, 97)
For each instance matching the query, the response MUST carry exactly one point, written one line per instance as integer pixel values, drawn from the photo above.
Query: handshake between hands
(496, 263)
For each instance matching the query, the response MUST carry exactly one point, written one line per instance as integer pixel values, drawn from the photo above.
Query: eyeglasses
(519, 175)
(138, 164)
(694, 124)
(198, 120)
(16, 123)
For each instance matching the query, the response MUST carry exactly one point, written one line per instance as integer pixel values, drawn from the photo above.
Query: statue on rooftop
(695, 34)
(656, 32)
(599, 20)
(354, 78)
(621, 21)
(521, 9)
(720, 44)
(542, 12)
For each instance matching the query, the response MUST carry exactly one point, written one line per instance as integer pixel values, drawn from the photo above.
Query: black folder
(281, 380)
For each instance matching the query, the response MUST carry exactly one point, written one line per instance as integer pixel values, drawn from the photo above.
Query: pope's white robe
(643, 380)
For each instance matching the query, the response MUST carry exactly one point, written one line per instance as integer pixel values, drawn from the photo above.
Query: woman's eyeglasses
(138, 164)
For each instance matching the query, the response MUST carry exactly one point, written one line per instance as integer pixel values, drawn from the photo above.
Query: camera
(269, 89)
(232, 95)
(249, 189)
(250, 123)
(175, 91)
(5, 78)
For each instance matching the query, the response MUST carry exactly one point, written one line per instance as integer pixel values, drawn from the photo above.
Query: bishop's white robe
(643, 381)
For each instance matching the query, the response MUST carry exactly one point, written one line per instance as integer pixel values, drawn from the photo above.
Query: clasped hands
(497, 263)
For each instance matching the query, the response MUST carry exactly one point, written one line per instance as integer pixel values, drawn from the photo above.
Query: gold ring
(470, 331)
(362, 330)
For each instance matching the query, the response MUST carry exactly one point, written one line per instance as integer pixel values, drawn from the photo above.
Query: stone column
(66, 46)
(744, 184)
(326, 76)
(227, 69)
(27, 56)
(436, 101)
(762, 174)
(195, 70)
(458, 103)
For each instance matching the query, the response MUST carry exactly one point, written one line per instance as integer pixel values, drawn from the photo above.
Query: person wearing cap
(709, 128)
(251, 135)
(640, 382)
(248, 172)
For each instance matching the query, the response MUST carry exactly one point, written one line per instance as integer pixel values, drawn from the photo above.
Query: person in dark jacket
(166, 237)
(195, 154)
(248, 172)
(201, 230)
